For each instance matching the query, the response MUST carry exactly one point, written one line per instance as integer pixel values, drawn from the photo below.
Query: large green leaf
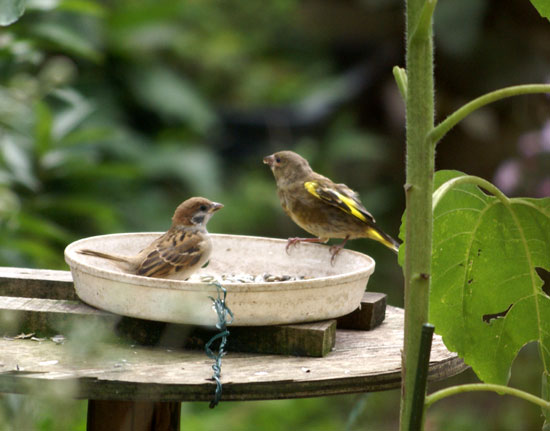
(486, 297)
(11, 11)
(171, 96)
(68, 40)
(543, 7)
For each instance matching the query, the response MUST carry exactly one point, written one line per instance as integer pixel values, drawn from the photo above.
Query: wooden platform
(361, 361)
(44, 303)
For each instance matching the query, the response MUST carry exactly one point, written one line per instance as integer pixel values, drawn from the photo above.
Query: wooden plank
(44, 302)
(36, 283)
(361, 361)
(47, 317)
(133, 416)
(306, 339)
(369, 315)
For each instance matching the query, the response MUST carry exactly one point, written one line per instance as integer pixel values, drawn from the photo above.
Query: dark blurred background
(112, 113)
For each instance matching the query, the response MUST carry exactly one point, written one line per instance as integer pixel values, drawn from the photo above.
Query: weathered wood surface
(360, 361)
(47, 317)
(309, 339)
(36, 283)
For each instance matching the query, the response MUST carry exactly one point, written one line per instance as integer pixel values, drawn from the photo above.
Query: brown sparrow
(182, 250)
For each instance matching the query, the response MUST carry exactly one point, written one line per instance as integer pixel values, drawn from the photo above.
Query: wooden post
(133, 415)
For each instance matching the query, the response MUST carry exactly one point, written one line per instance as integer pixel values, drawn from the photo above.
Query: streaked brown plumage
(182, 250)
(321, 207)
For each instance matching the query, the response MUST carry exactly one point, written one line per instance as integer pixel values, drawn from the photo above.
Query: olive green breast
(318, 217)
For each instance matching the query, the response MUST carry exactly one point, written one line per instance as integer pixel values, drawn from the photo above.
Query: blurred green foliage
(110, 116)
(211, 43)
(111, 113)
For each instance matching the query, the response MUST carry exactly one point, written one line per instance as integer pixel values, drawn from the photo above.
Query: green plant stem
(485, 387)
(452, 120)
(423, 28)
(418, 193)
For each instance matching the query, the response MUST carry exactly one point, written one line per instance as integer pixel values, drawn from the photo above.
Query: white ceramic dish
(328, 291)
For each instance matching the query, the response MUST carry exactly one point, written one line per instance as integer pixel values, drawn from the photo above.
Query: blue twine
(222, 311)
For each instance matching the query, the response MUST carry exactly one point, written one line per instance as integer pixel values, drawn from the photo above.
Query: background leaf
(171, 96)
(14, 154)
(11, 11)
(67, 39)
(543, 7)
(487, 299)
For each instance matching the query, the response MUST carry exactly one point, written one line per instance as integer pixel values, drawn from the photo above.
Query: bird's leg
(293, 241)
(335, 249)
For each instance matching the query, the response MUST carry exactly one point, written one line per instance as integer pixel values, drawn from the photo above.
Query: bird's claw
(334, 250)
(291, 242)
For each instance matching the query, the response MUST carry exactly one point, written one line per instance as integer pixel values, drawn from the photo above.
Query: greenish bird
(320, 206)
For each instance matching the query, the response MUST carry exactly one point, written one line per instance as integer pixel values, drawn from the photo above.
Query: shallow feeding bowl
(313, 289)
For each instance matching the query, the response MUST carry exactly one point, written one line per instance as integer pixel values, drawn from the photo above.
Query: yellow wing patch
(336, 199)
(352, 207)
(311, 187)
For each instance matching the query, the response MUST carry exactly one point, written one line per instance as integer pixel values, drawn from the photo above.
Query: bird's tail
(89, 252)
(375, 233)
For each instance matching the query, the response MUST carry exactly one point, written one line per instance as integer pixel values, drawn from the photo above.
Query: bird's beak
(215, 207)
(269, 160)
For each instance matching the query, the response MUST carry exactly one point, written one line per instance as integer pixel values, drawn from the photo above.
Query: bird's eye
(278, 159)
(203, 208)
